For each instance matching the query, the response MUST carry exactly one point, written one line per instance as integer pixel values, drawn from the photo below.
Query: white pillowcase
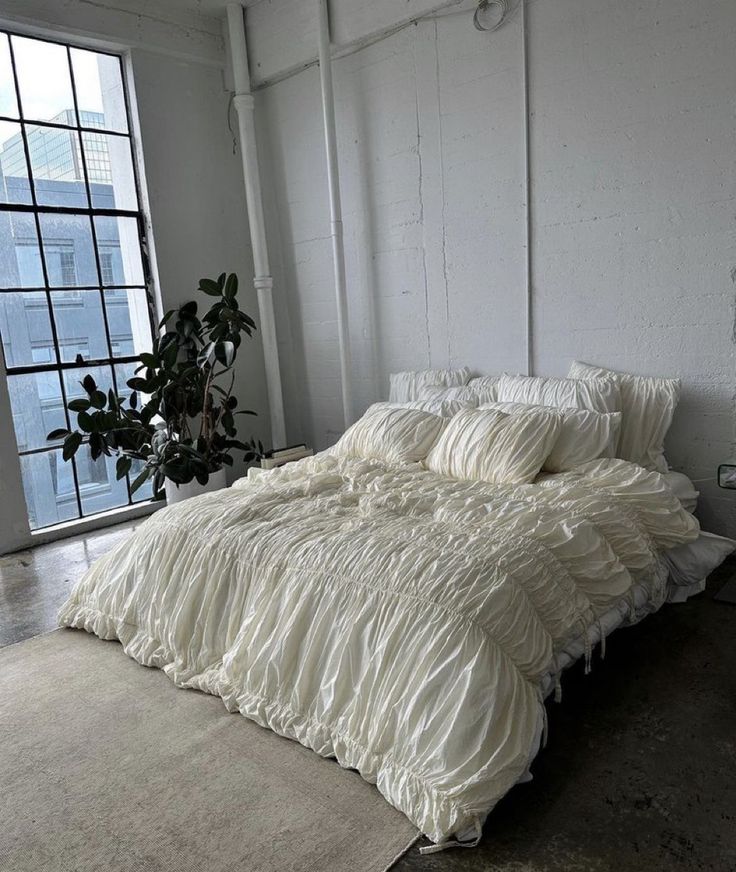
(486, 387)
(584, 435)
(439, 406)
(648, 405)
(459, 395)
(405, 386)
(390, 433)
(487, 445)
(601, 395)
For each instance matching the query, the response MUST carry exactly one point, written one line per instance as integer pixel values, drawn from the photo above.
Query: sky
(44, 78)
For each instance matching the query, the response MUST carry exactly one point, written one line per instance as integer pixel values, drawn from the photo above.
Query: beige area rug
(105, 765)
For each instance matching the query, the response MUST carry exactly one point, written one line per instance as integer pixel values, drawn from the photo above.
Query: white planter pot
(176, 494)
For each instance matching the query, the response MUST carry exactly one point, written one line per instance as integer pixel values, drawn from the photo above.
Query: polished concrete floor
(640, 769)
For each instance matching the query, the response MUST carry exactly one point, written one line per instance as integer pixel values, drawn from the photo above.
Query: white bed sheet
(688, 568)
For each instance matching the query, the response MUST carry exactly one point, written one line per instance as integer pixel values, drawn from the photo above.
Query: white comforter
(396, 620)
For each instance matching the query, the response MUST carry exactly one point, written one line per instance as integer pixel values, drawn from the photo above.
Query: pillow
(459, 395)
(405, 386)
(488, 445)
(599, 396)
(648, 405)
(486, 386)
(438, 406)
(390, 433)
(584, 435)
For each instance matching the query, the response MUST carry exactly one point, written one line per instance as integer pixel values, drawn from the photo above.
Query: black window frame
(34, 209)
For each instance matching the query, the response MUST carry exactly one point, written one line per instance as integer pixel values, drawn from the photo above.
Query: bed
(383, 607)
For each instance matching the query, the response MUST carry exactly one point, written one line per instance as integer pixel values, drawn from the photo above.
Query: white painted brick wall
(633, 205)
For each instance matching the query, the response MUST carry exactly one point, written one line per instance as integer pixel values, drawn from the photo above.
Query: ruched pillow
(648, 405)
(390, 433)
(584, 435)
(405, 386)
(601, 395)
(439, 406)
(488, 445)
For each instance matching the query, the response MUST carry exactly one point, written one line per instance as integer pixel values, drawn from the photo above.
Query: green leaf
(122, 467)
(71, 444)
(98, 399)
(78, 405)
(85, 422)
(209, 287)
(133, 399)
(139, 479)
(166, 317)
(96, 445)
(231, 286)
(89, 384)
(225, 352)
(57, 434)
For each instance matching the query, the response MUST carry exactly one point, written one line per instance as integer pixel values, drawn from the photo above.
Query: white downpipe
(262, 281)
(529, 301)
(333, 181)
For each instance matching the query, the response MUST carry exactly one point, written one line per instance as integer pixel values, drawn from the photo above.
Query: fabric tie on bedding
(384, 615)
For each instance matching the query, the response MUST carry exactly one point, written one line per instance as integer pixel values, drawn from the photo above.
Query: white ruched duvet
(399, 621)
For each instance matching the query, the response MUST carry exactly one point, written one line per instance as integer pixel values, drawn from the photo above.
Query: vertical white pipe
(333, 181)
(262, 281)
(528, 193)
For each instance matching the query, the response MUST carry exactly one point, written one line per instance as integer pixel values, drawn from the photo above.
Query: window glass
(25, 327)
(69, 250)
(48, 482)
(100, 93)
(56, 165)
(44, 80)
(14, 184)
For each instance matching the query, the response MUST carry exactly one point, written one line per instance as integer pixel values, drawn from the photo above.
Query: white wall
(197, 202)
(194, 181)
(633, 195)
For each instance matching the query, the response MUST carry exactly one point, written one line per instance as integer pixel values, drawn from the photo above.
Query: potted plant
(177, 424)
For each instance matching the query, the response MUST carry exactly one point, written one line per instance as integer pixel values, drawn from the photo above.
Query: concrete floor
(640, 769)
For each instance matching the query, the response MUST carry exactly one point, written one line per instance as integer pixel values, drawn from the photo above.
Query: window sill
(94, 522)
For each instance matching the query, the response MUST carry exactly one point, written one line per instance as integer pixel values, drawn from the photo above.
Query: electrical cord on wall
(484, 6)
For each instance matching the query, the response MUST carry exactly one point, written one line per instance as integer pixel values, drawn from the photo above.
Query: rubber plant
(179, 420)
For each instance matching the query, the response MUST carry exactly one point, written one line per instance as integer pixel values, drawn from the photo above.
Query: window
(73, 289)
(108, 275)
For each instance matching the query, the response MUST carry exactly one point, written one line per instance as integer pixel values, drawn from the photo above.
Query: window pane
(56, 163)
(20, 258)
(70, 255)
(48, 482)
(98, 487)
(13, 165)
(80, 326)
(73, 381)
(119, 238)
(110, 169)
(37, 407)
(44, 80)
(123, 372)
(100, 92)
(26, 329)
(129, 321)
(8, 103)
